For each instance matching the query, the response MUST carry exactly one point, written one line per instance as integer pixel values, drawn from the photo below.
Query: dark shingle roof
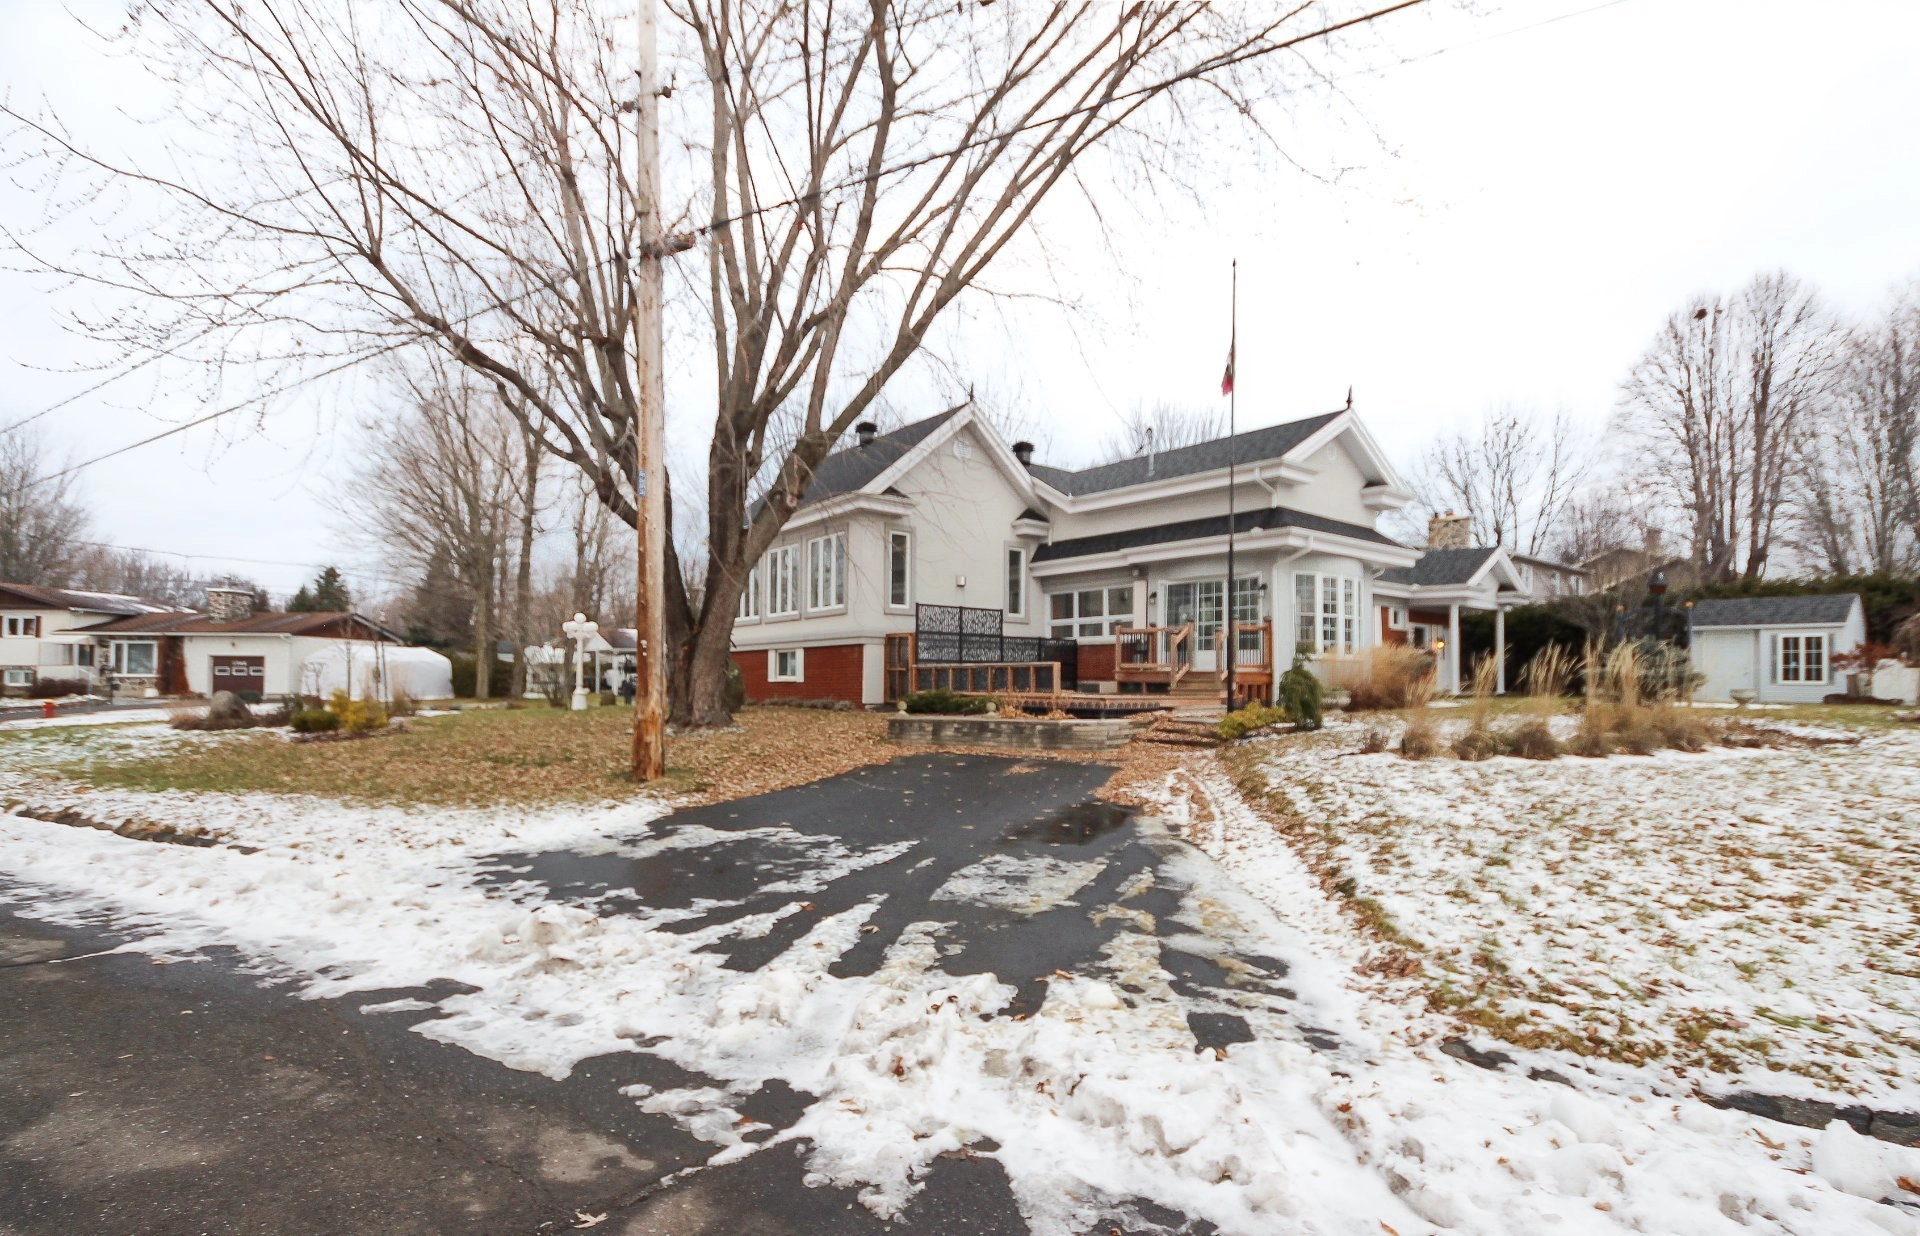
(1249, 447)
(853, 468)
(87, 602)
(254, 624)
(1830, 609)
(1439, 568)
(1195, 529)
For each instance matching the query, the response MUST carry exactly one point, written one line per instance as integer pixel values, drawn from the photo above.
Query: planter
(1018, 733)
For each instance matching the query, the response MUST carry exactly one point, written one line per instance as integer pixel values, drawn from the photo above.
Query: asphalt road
(199, 1097)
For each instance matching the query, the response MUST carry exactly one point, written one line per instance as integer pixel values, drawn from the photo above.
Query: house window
(783, 592)
(827, 571)
(750, 595)
(18, 678)
(83, 655)
(1090, 613)
(134, 658)
(899, 569)
(1397, 617)
(27, 627)
(1244, 609)
(1800, 658)
(785, 665)
(1016, 582)
(1327, 613)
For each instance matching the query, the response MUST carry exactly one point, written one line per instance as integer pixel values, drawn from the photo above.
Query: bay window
(1326, 613)
(827, 571)
(783, 593)
(750, 595)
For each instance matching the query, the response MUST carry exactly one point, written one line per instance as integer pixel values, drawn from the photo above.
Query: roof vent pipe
(1023, 451)
(866, 430)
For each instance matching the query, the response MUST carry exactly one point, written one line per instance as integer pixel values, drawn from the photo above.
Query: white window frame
(827, 573)
(750, 599)
(23, 626)
(1396, 617)
(783, 583)
(1014, 580)
(1335, 627)
(1806, 650)
(13, 676)
(903, 537)
(1084, 626)
(799, 656)
(120, 658)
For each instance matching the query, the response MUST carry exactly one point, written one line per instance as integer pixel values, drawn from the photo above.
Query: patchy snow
(1098, 1097)
(1737, 917)
(112, 716)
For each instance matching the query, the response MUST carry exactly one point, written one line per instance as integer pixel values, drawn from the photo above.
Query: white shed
(1780, 648)
(367, 670)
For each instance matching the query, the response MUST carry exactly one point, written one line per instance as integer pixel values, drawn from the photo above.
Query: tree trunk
(698, 678)
(483, 653)
(523, 578)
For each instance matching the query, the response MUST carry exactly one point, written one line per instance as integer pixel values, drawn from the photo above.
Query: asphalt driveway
(205, 1096)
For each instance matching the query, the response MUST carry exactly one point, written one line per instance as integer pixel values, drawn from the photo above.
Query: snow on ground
(1098, 1096)
(1736, 917)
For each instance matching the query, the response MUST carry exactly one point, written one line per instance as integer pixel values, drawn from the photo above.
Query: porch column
(1500, 648)
(1453, 647)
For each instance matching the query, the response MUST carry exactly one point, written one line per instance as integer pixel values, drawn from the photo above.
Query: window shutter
(1773, 658)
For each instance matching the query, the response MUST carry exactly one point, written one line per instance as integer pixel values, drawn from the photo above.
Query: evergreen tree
(328, 595)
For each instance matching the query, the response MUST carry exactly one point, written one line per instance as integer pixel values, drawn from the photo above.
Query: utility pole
(1231, 647)
(649, 472)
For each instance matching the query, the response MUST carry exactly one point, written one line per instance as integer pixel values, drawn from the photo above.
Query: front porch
(1190, 662)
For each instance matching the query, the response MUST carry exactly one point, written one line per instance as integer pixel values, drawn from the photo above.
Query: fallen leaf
(587, 1220)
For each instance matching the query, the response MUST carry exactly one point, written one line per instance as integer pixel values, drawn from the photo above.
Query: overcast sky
(1531, 201)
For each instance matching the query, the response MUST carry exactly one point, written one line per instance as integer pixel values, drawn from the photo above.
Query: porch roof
(1259, 520)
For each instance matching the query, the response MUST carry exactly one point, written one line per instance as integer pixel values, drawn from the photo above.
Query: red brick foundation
(1097, 662)
(830, 672)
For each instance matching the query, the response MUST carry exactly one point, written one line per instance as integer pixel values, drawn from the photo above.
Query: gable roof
(254, 624)
(1247, 448)
(1828, 609)
(1441, 568)
(85, 602)
(1260, 519)
(852, 468)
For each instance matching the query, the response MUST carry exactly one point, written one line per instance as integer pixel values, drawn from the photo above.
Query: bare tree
(442, 485)
(1515, 477)
(1162, 426)
(1720, 404)
(459, 174)
(42, 523)
(1856, 502)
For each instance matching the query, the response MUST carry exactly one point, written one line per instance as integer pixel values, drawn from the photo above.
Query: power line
(716, 224)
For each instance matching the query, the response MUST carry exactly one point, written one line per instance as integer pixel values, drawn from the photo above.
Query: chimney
(865, 431)
(1023, 451)
(1449, 531)
(1650, 539)
(229, 604)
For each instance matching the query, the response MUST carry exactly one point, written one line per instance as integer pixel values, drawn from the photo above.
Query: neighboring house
(1126, 560)
(1420, 605)
(1780, 648)
(228, 648)
(36, 633)
(1627, 565)
(1544, 579)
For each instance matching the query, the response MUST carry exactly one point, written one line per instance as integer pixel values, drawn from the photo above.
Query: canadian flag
(1226, 379)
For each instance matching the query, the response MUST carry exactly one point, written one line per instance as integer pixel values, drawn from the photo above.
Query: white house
(37, 627)
(228, 648)
(1421, 604)
(1127, 560)
(1780, 648)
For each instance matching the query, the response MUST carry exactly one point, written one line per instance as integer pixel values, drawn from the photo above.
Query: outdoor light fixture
(580, 630)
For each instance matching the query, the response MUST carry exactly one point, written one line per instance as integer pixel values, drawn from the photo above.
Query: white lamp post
(580, 631)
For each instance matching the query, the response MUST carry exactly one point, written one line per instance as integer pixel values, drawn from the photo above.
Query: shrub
(401, 704)
(1389, 676)
(465, 674)
(1419, 742)
(942, 702)
(1373, 740)
(736, 688)
(357, 716)
(1479, 742)
(1682, 728)
(314, 721)
(1243, 721)
(1300, 694)
(1534, 740)
(55, 688)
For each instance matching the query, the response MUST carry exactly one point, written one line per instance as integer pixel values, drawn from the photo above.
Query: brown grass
(1419, 741)
(1388, 676)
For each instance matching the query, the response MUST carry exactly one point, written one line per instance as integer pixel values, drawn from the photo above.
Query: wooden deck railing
(1153, 654)
(1026, 678)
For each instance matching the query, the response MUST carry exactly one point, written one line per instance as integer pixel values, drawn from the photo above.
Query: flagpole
(1233, 424)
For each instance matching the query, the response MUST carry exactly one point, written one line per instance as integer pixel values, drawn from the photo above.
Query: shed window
(1800, 658)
